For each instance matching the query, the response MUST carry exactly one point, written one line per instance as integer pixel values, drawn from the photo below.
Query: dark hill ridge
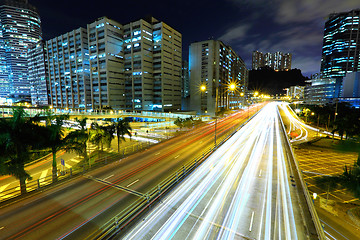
(271, 82)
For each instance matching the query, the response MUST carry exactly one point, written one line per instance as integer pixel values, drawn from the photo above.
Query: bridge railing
(33, 186)
(122, 220)
(318, 227)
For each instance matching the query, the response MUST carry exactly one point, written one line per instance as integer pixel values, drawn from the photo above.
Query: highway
(247, 189)
(335, 228)
(79, 207)
(42, 170)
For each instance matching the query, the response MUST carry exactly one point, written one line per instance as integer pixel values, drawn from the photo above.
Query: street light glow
(203, 88)
(232, 86)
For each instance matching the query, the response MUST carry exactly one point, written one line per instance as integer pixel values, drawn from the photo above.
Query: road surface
(245, 190)
(78, 208)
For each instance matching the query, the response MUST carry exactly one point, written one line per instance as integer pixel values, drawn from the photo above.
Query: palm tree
(19, 137)
(109, 131)
(81, 136)
(122, 127)
(56, 138)
(97, 135)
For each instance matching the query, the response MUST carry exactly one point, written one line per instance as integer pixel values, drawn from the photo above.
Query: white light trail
(242, 189)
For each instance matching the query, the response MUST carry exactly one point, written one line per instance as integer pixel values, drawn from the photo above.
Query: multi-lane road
(247, 189)
(79, 207)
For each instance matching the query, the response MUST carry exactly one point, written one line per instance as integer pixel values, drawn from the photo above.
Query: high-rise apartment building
(136, 66)
(152, 66)
(257, 60)
(20, 27)
(106, 51)
(214, 68)
(341, 44)
(277, 61)
(37, 70)
(68, 70)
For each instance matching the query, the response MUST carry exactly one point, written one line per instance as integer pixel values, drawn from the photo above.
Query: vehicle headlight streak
(215, 204)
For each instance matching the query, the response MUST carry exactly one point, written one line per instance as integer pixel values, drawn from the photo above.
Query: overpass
(6, 111)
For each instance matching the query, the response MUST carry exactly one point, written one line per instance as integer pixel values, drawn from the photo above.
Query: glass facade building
(341, 44)
(20, 27)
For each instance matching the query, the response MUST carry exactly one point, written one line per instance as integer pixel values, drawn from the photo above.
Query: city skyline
(290, 26)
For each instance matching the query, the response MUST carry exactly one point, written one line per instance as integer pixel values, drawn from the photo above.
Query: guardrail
(318, 227)
(118, 223)
(39, 184)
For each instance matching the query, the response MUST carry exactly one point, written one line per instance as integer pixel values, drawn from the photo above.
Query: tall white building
(136, 66)
(20, 27)
(106, 45)
(68, 70)
(37, 74)
(213, 68)
(152, 66)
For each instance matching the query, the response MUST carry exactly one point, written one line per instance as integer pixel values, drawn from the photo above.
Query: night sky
(294, 26)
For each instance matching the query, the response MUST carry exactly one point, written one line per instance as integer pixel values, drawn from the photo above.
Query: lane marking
(108, 177)
(251, 222)
(177, 156)
(260, 173)
(2, 188)
(43, 175)
(74, 160)
(116, 186)
(1, 228)
(157, 153)
(132, 183)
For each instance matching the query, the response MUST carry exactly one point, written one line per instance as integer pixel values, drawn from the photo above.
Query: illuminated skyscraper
(341, 44)
(20, 27)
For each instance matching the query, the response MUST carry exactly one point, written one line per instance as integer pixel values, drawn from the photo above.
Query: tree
(96, 135)
(179, 122)
(122, 128)
(19, 137)
(56, 138)
(80, 137)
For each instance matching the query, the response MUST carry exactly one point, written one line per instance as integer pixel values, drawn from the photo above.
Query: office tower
(37, 74)
(20, 27)
(152, 66)
(277, 61)
(322, 90)
(68, 70)
(213, 68)
(341, 44)
(105, 37)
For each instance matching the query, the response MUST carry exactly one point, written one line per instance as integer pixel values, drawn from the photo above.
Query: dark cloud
(294, 26)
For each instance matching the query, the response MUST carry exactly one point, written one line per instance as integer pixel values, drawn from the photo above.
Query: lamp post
(202, 89)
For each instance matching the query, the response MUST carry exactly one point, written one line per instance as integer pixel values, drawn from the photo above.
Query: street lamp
(202, 89)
